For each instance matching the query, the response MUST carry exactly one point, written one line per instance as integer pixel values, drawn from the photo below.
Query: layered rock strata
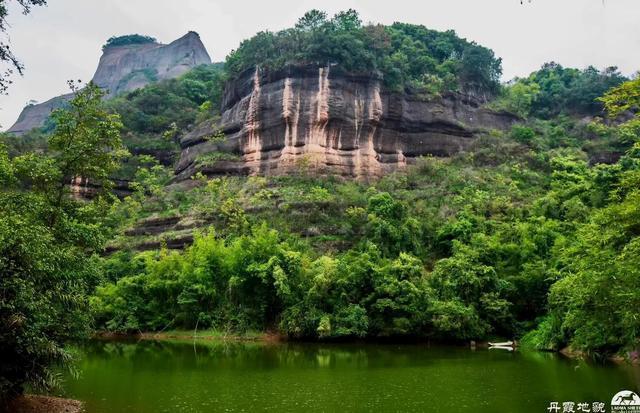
(332, 122)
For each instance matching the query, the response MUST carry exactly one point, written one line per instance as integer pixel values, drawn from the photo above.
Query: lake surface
(161, 376)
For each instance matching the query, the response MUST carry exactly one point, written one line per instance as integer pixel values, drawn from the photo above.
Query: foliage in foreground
(48, 242)
(594, 307)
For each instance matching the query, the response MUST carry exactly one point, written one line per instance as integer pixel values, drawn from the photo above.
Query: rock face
(34, 116)
(335, 123)
(125, 68)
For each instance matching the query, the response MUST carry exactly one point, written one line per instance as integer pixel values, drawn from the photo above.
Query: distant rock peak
(126, 67)
(123, 69)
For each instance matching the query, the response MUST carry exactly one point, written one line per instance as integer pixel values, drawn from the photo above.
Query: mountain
(125, 67)
(335, 122)
(369, 181)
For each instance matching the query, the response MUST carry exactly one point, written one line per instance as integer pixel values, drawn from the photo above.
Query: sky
(63, 40)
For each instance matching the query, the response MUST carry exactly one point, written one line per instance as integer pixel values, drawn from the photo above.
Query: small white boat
(503, 344)
(501, 348)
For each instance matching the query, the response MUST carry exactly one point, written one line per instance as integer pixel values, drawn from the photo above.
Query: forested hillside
(478, 245)
(530, 233)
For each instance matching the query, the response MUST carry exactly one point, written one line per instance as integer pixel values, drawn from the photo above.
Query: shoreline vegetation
(526, 234)
(208, 334)
(279, 338)
(35, 403)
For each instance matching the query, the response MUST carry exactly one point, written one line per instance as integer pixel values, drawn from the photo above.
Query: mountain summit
(127, 63)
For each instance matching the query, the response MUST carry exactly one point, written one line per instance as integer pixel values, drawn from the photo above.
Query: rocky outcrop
(125, 68)
(333, 122)
(83, 188)
(35, 115)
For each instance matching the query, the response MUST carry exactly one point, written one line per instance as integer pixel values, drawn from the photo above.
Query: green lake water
(150, 376)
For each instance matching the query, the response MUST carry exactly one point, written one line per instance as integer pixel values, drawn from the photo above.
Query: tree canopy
(48, 242)
(128, 39)
(407, 55)
(554, 90)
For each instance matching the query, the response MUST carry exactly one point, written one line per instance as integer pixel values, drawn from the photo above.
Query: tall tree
(48, 242)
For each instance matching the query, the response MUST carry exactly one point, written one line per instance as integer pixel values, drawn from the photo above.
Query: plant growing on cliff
(48, 242)
(211, 158)
(128, 39)
(166, 108)
(407, 55)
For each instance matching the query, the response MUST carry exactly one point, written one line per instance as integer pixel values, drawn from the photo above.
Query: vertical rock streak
(253, 145)
(290, 115)
(318, 135)
(344, 125)
(365, 159)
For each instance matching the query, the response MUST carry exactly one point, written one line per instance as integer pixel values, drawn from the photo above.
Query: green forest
(408, 55)
(126, 40)
(526, 235)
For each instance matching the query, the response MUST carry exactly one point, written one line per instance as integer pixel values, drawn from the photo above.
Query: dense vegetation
(407, 55)
(151, 111)
(554, 90)
(594, 305)
(151, 117)
(49, 241)
(521, 236)
(154, 116)
(128, 40)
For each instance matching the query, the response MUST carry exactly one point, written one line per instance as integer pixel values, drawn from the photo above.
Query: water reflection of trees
(259, 355)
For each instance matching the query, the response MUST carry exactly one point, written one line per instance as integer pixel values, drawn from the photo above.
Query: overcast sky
(62, 40)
